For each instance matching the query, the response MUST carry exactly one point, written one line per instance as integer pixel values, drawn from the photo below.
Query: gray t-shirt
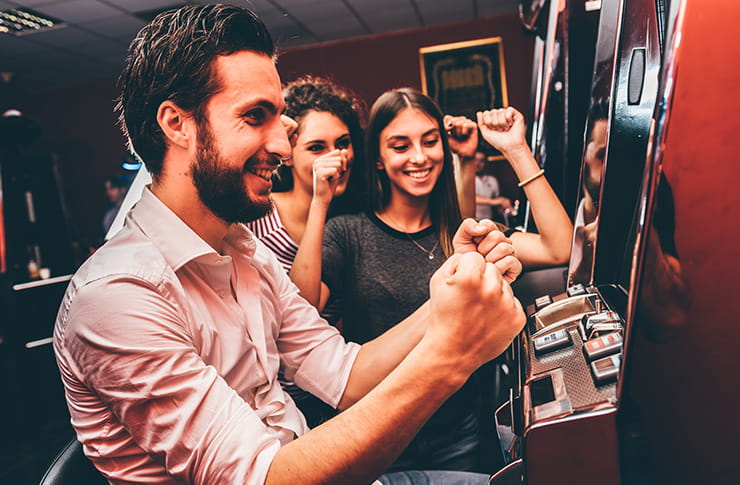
(382, 277)
(378, 272)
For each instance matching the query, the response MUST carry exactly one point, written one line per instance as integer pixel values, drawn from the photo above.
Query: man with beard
(170, 337)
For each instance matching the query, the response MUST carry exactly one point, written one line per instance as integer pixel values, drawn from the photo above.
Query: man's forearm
(360, 443)
(381, 355)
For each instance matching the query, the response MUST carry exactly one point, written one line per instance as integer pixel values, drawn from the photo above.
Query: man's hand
(474, 313)
(462, 134)
(484, 237)
(503, 203)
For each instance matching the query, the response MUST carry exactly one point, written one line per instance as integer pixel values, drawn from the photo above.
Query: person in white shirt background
(489, 203)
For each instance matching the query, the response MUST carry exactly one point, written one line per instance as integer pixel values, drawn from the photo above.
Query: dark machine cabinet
(565, 39)
(678, 420)
(630, 377)
(561, 423)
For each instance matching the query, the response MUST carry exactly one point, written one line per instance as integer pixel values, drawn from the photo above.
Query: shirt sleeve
(313, 354)
(129, 345)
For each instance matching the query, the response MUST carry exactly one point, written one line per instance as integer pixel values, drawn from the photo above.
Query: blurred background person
(115, 189)
(489, 203)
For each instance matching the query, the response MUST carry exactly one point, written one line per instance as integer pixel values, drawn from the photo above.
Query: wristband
(533, 177)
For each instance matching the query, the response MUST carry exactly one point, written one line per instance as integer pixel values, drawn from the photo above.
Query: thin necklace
(429, 253)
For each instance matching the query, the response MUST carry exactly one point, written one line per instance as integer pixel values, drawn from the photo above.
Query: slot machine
(560, 423)
(564, 48)
(678, 416)
(565, 34)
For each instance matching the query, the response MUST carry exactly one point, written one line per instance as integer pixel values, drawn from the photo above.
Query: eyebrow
(322, 140)
(264, 104)
(404, 137)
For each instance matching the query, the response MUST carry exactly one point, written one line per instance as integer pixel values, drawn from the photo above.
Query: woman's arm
(306, 269)
(462, 134)
(505, 130)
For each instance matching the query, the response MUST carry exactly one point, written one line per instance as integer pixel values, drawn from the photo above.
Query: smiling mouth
(418, 174)
(263, 173)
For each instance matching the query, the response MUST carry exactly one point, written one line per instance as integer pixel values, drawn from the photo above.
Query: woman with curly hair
(309, 187)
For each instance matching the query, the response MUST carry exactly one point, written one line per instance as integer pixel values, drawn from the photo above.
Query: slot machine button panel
(542, 302)
(608, 344)
(606, 369)
(551, 341)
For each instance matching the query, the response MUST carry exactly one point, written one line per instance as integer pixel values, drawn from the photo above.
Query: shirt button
(221, 293)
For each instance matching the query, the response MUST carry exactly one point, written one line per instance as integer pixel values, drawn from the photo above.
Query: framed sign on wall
(465, 77)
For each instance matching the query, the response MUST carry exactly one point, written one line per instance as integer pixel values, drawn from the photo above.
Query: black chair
(71, 467)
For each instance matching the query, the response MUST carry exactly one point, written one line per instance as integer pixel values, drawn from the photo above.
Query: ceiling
(92, 42)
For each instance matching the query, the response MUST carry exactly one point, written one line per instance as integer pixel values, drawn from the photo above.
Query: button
(542, 302)
(589, 320)
(600, 329)
(576, 290)
(607, 369)
(551, 341)
(221, 293)
(610, 343)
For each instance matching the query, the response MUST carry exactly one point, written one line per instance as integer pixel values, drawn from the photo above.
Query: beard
(220, 187)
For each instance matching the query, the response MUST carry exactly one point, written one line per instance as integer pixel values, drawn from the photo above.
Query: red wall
(80, 125)
(373, 64)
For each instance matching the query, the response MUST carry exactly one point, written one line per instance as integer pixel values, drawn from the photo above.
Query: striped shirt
(271, 231)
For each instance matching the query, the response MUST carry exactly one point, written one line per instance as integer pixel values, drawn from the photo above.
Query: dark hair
(312, 93)
(599, 110)
(444, 208)
(309, 93)
(171, 58)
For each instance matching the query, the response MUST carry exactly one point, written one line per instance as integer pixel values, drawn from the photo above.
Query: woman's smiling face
(411, 153)
(319, 132)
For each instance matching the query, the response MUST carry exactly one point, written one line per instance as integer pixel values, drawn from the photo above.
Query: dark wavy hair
(171, 58)
(314, 93)
(444, 208)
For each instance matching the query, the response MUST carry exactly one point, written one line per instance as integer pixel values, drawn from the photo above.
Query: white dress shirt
(169, 353)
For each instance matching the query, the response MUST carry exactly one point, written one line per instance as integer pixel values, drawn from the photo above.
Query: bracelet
(533, 177)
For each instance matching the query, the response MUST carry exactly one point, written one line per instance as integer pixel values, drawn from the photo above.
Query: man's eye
(255, 116)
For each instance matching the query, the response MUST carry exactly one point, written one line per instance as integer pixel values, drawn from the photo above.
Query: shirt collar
(177, 242)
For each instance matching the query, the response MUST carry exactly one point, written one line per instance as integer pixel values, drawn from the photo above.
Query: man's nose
(278, 142)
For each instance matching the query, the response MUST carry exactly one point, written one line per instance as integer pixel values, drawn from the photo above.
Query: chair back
(71, 467)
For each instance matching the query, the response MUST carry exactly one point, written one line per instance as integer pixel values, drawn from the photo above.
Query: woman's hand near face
(462, 133)
(328, 170)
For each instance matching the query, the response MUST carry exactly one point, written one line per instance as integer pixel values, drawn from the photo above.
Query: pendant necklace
(429, 253)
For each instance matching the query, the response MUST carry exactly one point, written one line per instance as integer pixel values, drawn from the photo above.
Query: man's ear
(176, 125)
